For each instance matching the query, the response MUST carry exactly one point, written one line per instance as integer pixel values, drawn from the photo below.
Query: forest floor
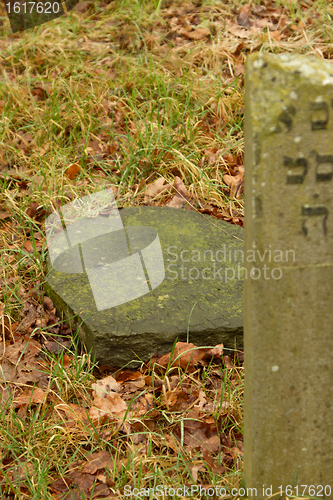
(146, 97)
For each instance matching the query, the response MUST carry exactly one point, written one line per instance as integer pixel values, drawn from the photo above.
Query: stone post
(288, 337)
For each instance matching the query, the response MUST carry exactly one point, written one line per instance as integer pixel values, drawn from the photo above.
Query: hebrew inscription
(321, 168)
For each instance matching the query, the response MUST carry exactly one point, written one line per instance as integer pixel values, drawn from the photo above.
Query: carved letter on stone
(324, 169)
(319, 117)
(317, 210)
(297, 169)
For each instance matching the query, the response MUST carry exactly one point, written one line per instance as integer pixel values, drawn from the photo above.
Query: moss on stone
(152, 322)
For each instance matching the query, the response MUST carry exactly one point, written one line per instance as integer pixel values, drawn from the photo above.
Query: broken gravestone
(134, 285)
(288, 320)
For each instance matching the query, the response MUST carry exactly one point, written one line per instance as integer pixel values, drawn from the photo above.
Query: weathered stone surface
(288, 316)
(202, 291)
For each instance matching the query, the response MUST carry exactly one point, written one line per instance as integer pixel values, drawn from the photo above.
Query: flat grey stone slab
(201, 295)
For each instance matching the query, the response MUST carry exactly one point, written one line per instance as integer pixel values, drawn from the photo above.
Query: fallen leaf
(97, 416)
(140, 186)
(239, 69)
(185, 354)
(73, 411)
(216, 351)
(25, 138)
(235, 183)
(28, 246)
(8, 371)
(99, 460)
(194, 471)
(180, 187)
(73, 170)
(263, 23)
(66, 360)
(40, 150)
(54, 347)
(276, 35)
(113, 403)
(181, 198)
(202, 399)
(31, 211)
(181, 399)
(157, 187)
(28, 320)
(47, 302)
(36, 395)
(126, 375)
(39, 93)
(234, 29)
(243, 16)
(227, 361)
(104, 386)
(61, 484)
(84, 483)
(177, 202)
(101, 490)
(196, 34)
(134, 385)
(143, 405)
(172, 442)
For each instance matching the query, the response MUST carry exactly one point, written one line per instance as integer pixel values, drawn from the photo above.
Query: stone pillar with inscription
(288, 326)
